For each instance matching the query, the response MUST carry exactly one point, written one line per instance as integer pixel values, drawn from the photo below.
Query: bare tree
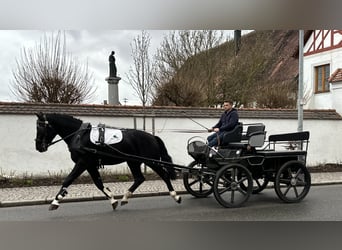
(186, 63)
(47, 74)
(140, 76)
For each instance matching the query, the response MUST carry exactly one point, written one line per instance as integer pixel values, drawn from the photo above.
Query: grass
(26, 180)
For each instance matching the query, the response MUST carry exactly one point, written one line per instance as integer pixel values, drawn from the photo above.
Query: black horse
(89, 156)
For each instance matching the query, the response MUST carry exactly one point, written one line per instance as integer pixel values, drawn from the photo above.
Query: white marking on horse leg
(114, 203)
(61, 194)
(54, 205)
(176, 197)
(110, 196)
(124, 199)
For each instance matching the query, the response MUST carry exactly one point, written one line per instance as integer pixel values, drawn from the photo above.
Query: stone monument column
(113, 81)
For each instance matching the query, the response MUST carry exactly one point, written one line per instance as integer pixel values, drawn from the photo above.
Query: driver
(228, 120)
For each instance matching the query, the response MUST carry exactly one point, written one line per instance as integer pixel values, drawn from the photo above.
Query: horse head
(45, 133)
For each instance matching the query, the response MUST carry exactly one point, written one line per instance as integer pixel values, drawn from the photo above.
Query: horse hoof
(123, 203)
(53, 207)
(179, 200)
(114, 205)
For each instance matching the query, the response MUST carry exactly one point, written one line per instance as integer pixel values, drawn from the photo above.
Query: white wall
(18, 155)
(336, 89)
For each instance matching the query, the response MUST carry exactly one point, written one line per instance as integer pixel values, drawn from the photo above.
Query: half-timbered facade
(322, 63)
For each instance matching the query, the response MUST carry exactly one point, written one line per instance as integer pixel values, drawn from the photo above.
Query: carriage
(244, 163)
(247, 164)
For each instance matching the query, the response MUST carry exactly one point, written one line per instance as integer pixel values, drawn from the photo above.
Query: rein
(84, 126)
(65, 137)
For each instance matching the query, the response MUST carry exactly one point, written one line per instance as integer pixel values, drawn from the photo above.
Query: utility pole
(300, 101)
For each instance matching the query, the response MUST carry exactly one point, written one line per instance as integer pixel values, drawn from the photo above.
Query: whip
(196, 121)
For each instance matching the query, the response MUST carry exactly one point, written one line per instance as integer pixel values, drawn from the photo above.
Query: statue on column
(112, 66)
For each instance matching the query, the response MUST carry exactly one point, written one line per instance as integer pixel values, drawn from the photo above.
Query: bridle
(43, 125)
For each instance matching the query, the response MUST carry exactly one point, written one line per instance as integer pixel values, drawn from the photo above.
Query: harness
(84, 126)
(101, 138)
(76, 143)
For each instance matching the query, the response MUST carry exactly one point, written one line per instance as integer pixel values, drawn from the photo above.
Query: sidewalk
(86, 192)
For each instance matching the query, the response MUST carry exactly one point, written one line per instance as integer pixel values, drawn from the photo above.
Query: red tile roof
(131, 111)
(336, 76)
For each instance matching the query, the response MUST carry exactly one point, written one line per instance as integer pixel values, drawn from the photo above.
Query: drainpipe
(300, 102)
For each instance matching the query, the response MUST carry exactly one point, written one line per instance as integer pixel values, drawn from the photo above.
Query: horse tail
(166, 157)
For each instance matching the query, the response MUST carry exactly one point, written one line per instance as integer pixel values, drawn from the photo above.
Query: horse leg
(138, 180)
(166, 178)
(96, 177)
(76, 172)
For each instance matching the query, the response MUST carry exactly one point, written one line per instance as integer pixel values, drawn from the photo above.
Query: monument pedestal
(113, 90)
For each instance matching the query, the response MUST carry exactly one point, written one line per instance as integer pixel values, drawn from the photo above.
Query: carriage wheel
(227, 185)
(292, 182)
(259, 184)
(196, 183)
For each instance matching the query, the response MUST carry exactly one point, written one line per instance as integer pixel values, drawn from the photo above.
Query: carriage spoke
(296, 192)
(201, 187)
(234, 175)
(225, 180)
(241, 191)
(258, 183)
(210, 183)
(285, 181)
(232, 197)
(193, 182)
(298, 173)
(287, 190)
(207, 180)
(225, 190)
(242, 180)
(301, 183)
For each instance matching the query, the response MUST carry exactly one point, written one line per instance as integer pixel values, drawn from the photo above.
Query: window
(322, 74)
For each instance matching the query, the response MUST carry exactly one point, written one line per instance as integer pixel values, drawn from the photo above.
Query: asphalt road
(323, 203)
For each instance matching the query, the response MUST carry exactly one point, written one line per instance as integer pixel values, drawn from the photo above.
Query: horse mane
(64, 119)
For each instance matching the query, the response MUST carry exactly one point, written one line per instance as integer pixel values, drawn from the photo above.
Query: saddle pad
(111, 135)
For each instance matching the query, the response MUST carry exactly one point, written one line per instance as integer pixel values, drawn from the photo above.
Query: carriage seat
(252, 129)
(254, 137)
(301, 137)
(232, 136)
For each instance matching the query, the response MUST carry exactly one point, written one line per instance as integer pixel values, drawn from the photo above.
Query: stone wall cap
(160, 111)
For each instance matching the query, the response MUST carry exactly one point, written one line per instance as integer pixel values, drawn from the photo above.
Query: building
(322, 75)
